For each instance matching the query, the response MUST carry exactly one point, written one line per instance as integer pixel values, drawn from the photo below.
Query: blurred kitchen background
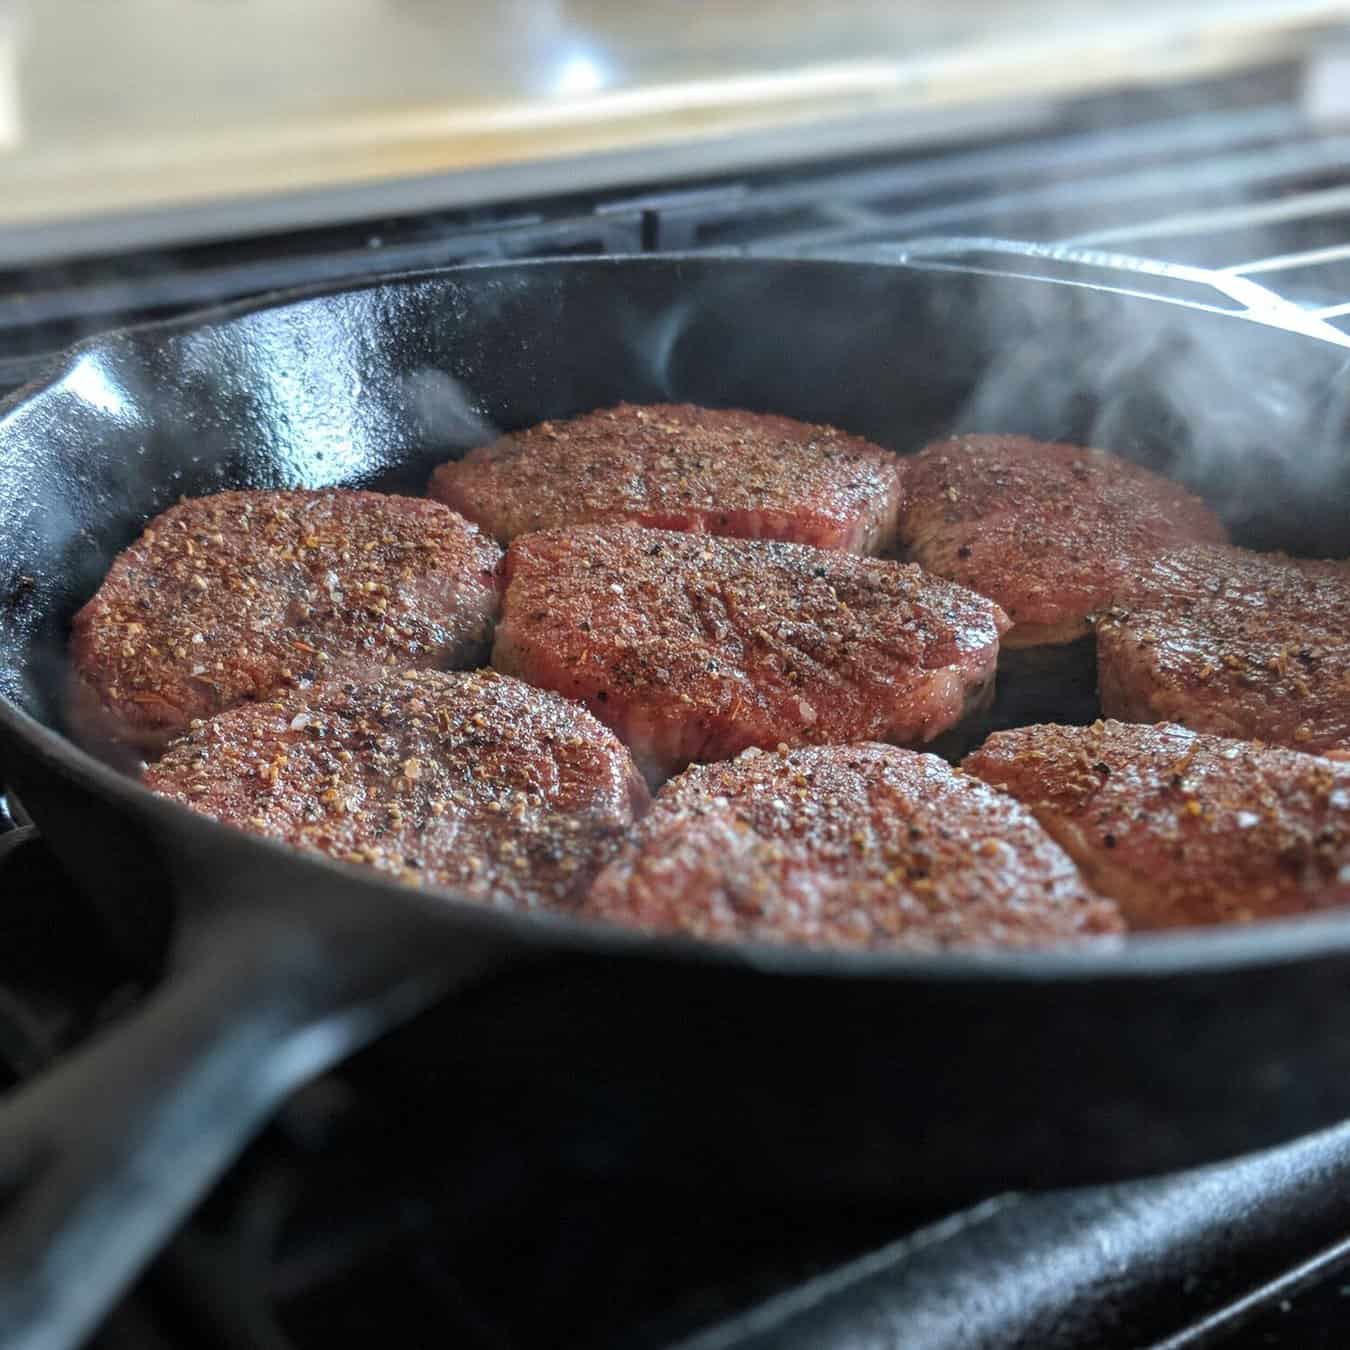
(126, 122)
(158, 155)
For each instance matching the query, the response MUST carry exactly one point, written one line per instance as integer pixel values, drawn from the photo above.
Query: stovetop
(379, 1206)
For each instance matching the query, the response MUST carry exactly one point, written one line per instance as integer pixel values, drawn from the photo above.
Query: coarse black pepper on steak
(243, 595)
(466, 780)
(1181, 828)
(1232, 642)
(693, 647)
(847, 846)
(680, 467)
(1046, 530)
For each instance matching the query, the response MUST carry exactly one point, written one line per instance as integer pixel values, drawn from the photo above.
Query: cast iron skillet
(787, 1069)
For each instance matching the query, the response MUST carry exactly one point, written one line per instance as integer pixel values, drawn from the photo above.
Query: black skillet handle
(1165, 1262)
(104, 1155)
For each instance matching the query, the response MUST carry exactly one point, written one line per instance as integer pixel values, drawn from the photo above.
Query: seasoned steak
(243, 595)
(678, 467)
(846, 846)
(693, 648)
(1238, 643)
(1048, 531)
(465, 780)
(1181, 828)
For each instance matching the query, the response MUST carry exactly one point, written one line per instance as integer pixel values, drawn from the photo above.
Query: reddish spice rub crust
(847, 846)
(1048, 531)
(693, 648)
(242, 595)
(1180, 828)
(468, 781)
(678, 467)
(1232, 642)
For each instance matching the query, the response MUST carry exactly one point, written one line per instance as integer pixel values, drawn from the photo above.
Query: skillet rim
(1173, 954)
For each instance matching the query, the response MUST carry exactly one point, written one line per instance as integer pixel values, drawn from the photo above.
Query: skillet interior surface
(375, 386)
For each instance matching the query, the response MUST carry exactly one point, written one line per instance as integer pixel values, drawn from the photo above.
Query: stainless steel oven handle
(1098, 269)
